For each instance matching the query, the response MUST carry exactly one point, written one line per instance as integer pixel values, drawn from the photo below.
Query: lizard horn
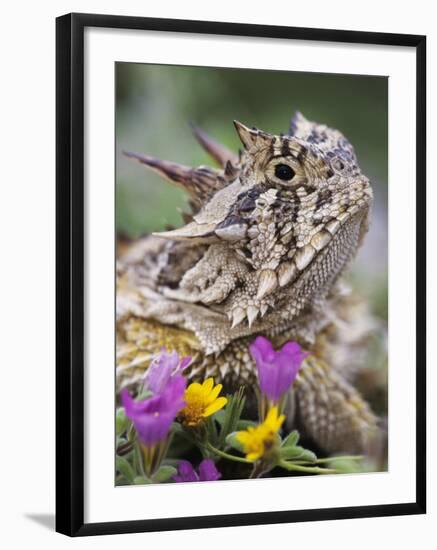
(252, 138)
(221, 154)
(193, 232)
(200, 183)
(297, 122)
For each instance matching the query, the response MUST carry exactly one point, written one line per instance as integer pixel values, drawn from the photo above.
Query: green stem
(139, 459)
(324, 460)
(330, 459)
(226, 455)
(308, 469)
(131, 434)
(303, 462)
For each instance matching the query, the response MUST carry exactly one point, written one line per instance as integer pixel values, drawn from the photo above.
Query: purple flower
(186, 472)
(164, 367)
(277, 370)
(152, 417)
(207, 471)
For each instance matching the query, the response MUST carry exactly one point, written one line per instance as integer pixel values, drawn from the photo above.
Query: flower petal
(157, 376)
(163, 367)
(268, 376)
(152, 428)
(262, 349)
(273, 422)
(152, 417)
(208, 385)
(186, 472)
(194, 389)
(215, 406)
(185, 361)
(214, 393)
(253, 456)
(277, 370)
(243, 437)
(208, 471)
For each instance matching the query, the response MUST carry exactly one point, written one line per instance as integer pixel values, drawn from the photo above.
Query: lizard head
(276, 224)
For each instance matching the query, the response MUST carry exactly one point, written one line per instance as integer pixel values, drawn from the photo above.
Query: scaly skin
(262, 251)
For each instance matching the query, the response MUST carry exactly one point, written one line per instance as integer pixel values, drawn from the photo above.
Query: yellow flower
(258, 440)
(201, 401)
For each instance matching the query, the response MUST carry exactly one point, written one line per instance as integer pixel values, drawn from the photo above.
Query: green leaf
(220, 416)
(141, 480)
(345, 466)
(125, 468)
(164, 474)
(121, 481)
(291, 439)
(121, 421)
(137, 459)
(297, 453)
(211, 430)
(232, 414)
(309, 456)
(233, 442)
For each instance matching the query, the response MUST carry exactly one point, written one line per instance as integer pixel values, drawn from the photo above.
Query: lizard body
(262, 252)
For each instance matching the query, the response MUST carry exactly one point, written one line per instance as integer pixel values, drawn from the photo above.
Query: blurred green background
(156, 103)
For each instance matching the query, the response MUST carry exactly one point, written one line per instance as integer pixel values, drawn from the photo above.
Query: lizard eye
(284, 172)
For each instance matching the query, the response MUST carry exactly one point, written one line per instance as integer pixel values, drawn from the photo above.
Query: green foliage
(142, 480)
(124, 467)
(164, 474)
(346, 465)
(293, 453)
(121, 422)
(291, 440)
(231, 415)
(232, 441)
(213, 439)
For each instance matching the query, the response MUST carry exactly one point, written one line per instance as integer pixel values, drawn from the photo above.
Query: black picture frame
(70, 273)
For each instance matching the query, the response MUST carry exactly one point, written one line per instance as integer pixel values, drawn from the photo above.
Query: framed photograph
(240, 274)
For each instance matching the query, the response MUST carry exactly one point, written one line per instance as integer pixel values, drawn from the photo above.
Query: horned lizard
(269, 234)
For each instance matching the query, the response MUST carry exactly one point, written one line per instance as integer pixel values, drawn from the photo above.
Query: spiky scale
(304, 256)
(252, 314)
(238, 314)
(268, 281)
(320, 240)
(219, 153)
(286, 273)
